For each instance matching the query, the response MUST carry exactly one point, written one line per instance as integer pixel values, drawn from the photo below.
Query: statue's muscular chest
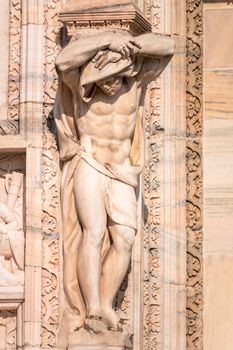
(111, 116)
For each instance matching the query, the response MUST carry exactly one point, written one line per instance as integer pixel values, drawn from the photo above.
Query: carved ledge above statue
(115, 14)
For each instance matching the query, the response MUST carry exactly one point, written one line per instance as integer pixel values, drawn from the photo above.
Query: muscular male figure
(107, 74)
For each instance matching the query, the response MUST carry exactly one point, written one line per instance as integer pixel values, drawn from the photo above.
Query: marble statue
(98, 112)
(11, 236)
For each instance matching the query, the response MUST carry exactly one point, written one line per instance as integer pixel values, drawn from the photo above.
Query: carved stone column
(31, 109)
(165, 182)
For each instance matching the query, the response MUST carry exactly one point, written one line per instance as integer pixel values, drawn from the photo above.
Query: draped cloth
(118, 176)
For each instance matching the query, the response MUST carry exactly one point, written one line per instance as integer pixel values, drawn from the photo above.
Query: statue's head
(108, 79)
(111, 85)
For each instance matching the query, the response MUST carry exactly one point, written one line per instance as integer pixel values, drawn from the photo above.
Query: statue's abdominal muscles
(107, 126)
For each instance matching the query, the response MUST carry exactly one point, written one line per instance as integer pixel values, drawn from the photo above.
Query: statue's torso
(107, 123)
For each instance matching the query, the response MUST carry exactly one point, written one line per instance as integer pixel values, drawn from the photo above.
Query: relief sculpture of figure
(11, 235)
(98, 113)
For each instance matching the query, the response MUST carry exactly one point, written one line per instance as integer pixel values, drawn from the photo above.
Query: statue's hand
(124, 45)
(102, 58)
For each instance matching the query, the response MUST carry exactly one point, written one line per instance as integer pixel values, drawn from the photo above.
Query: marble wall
(218, 170)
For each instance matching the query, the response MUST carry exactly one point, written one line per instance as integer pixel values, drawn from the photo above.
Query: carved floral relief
(194, 175)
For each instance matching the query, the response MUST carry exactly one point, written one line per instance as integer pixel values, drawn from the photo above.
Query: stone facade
(169, 284)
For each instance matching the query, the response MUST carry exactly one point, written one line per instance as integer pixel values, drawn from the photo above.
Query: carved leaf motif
(51, 252)
(193, 106)
(50, 309)
(48, 336)
(193, 216)
(192, 5)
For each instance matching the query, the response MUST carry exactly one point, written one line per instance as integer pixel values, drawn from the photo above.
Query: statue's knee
(126, 240)
(93, 237)
(129, 241)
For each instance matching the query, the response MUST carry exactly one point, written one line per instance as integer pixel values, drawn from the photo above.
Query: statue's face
(110, 86)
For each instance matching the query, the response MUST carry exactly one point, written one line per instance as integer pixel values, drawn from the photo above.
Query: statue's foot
(112, 320)
(75, 321)
(95, 323)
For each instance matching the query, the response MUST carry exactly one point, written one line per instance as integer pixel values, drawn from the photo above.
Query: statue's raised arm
(83, 49)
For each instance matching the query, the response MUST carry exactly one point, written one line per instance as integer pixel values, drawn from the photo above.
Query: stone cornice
(95, 14)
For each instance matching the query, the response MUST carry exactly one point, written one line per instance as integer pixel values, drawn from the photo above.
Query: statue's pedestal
(14, 294)
(83, 338)
(94, 347)
(86, 340)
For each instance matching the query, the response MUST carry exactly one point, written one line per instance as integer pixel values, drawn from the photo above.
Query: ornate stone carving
(8, 330)
(11, 229)
(12, 168)
(152, 198)
(152, 204)
(14, 59)
(9, 125)
(194, 175)
(100, 85)
(50, 307)
(153, 13)
(50, 160)
(50, 226)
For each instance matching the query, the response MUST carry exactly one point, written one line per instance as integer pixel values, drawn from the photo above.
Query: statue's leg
(88, 184)
(114, 269)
